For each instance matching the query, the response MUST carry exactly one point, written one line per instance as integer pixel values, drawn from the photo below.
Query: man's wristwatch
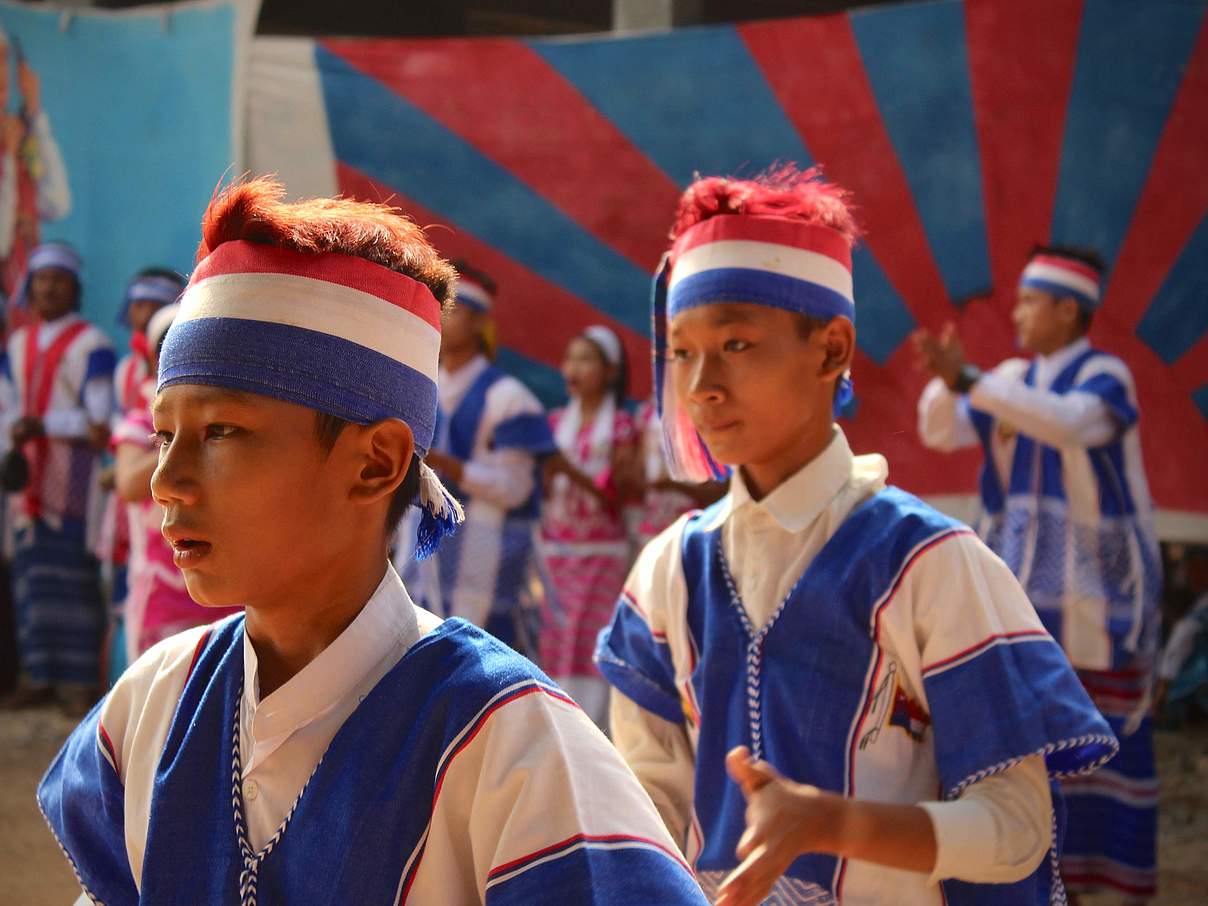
(966, 378)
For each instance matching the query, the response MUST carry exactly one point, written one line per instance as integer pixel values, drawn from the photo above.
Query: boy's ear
(839, 337)
(385, 449)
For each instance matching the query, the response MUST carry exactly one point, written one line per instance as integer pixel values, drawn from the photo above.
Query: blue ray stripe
(1178, 316)
(694, 101)
(691, 100)
(392, 141)
(1200, 398)
(1131, 58)
(544, 380)
(917, 63)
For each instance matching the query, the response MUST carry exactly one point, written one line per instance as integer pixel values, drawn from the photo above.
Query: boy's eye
(736, 345)
(678, 355)
(161, 438)
(220, 431)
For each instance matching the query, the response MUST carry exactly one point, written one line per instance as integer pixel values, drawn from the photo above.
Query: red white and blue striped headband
(331, 332)
(762, 260)
(335, 333)
(155, 288)
(1063, 276)
(54, 254)
(473, 294)
(800, 267)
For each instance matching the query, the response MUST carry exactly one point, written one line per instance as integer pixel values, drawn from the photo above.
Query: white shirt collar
(385, 624)
(1049, 366)
(452, 386)
(797, 501)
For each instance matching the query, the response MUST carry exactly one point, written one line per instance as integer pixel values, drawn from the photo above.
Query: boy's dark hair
(255, 211)
(1082, 255)
(482, 278)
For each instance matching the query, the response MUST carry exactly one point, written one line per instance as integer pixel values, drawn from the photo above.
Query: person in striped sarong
(57, 400)
(1066, 504)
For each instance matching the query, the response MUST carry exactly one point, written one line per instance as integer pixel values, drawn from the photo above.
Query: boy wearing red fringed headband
(337, 744)
(846, 654)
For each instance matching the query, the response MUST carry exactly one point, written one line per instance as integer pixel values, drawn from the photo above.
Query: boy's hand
(784, 820)
(942, 356)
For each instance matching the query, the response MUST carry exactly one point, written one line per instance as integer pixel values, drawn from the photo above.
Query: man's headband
(473, 295)
(1063, 276)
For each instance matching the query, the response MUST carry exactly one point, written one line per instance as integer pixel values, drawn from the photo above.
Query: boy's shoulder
(143, 701)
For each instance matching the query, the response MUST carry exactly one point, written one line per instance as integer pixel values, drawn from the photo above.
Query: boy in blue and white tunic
(1066, 504)
(490, 434)
(868, 673)
(335, 744)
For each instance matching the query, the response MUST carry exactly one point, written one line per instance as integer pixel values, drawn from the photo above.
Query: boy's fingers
(751, 773)
(747, 842)
(749, 883)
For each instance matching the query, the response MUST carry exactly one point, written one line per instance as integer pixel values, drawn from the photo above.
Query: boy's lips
(187, 549)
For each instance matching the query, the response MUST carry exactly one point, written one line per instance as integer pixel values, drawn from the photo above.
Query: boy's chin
(206, 592)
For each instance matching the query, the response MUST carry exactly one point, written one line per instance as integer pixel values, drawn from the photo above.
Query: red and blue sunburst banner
(967, 131)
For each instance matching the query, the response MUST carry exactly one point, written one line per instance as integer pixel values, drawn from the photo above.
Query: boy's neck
(761, 478)
(290, 632)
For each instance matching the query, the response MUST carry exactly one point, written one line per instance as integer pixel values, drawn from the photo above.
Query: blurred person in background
(491, 433)
(1065, 502)
(158, 603)
(584, 545)
(148, 291)
(663, 499)
(33, 178)
(57, 404)
(1183, 665)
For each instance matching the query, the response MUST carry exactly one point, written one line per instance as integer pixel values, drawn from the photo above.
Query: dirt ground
(33, 871)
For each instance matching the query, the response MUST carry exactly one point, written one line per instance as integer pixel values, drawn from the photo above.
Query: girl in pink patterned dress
(157, 604)
(584, 546)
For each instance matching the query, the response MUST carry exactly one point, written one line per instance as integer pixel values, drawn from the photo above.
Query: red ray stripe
(1021, 60)
(1173, 202)
(814, 67)
(1191, 371)
(1174, 433)
(886, 423)
(507, 102)
(536, 318)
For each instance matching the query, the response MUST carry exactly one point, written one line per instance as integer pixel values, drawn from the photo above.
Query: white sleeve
(54, 193)
(504, 477)
(999, 830)
(1059, 420)
(943, 419)
(537, 774)
(98, 400)
(66, 424)
(10, 411)
(659, 753)
(8, 203)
